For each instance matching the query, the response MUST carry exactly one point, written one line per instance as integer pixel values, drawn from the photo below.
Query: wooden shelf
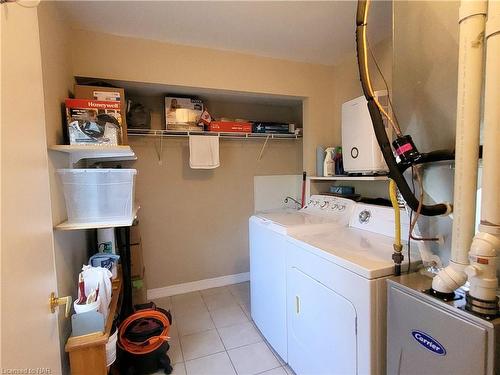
(228, 135)
(349, 178)
(66, 225)
(87, 353)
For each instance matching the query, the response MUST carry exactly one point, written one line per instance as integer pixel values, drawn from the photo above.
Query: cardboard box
(230, 127)
(93, 122)
(139, 291)
(135, 235)
(109, 94)
(183, 113)
(136, 261)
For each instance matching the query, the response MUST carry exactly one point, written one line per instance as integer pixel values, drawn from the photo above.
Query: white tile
(173, 332)
(253, 359)
(196, 321)
(164, 302)
(280, 360)
(215, 364)
(212, 291)
(244, 301)
(241, 290)
(228, 316)
(201, 344)
(239, 335)
(246, 309)
(274, 371)
(175, 352)
(220, 300)
(289, 370)
(189, 302)
(178, 369)
(241, 293)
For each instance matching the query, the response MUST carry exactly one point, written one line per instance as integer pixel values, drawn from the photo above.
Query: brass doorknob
(59, 301)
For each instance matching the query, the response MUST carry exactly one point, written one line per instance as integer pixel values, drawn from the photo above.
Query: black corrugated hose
(395, 170)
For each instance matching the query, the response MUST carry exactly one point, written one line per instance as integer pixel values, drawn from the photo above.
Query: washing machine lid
(364, 253)
(291, 218)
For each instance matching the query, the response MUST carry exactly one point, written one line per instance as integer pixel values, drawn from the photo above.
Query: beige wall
(194, 223)
(70, 247)
(113, 57)
(30, 336)
(347, 84)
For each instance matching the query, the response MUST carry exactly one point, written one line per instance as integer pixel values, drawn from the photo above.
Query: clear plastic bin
(98, 195)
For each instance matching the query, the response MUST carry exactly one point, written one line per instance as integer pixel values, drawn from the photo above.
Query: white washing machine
(268, 248)
(336, 295)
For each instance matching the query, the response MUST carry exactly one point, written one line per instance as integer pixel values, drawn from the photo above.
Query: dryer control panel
(377, 219)
(328, 204)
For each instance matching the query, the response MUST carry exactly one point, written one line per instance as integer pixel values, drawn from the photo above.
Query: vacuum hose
(395, 170)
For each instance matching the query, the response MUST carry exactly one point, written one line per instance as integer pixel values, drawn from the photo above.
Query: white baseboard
(194, 286)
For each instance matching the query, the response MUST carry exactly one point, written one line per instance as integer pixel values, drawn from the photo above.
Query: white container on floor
(111, 348)
(86, 307)
(98, 195)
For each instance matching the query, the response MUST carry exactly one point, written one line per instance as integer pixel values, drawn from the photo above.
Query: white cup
(86, 307)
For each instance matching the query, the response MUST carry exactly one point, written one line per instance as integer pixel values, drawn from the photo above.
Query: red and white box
(93, 121)
(230, 127)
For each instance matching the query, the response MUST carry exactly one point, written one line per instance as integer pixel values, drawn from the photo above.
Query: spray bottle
(329, 164)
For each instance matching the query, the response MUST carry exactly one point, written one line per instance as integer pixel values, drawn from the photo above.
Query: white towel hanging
(203, 152)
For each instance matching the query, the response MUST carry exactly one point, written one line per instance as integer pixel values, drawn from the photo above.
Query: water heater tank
(360, 150)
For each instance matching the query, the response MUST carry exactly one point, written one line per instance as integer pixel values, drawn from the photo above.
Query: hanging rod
(186, 133)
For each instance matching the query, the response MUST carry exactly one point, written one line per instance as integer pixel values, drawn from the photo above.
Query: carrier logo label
(428, 342)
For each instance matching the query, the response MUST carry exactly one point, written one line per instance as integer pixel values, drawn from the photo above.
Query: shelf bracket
(263, 148)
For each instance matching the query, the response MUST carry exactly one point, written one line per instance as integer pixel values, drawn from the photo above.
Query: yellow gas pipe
(398, 247)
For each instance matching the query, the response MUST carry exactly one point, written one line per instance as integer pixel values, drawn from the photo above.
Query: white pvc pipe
(470, 70)
(485, 246)
(490, 205)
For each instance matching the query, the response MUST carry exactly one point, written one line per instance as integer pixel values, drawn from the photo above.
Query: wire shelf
(226, 135)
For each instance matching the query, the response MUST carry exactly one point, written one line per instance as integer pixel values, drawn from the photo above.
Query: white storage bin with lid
(98, 195)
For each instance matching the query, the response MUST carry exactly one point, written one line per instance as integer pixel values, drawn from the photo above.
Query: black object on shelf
(123, 242)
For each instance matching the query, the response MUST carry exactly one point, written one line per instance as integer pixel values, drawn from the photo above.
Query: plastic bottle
(329, 163)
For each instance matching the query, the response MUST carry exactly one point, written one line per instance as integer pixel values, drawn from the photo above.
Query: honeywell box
(183, 113)
(106, 94)
(93, 122)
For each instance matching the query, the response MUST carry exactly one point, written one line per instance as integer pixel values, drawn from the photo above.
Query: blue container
(344, 190)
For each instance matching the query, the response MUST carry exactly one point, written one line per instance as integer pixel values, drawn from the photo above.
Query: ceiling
(306, 31)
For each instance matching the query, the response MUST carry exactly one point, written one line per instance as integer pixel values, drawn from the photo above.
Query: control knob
(364, 216)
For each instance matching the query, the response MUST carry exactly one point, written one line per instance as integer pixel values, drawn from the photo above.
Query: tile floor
(213, 334)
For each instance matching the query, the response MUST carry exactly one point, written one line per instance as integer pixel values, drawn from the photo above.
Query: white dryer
(336, 295)
(268, 248)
